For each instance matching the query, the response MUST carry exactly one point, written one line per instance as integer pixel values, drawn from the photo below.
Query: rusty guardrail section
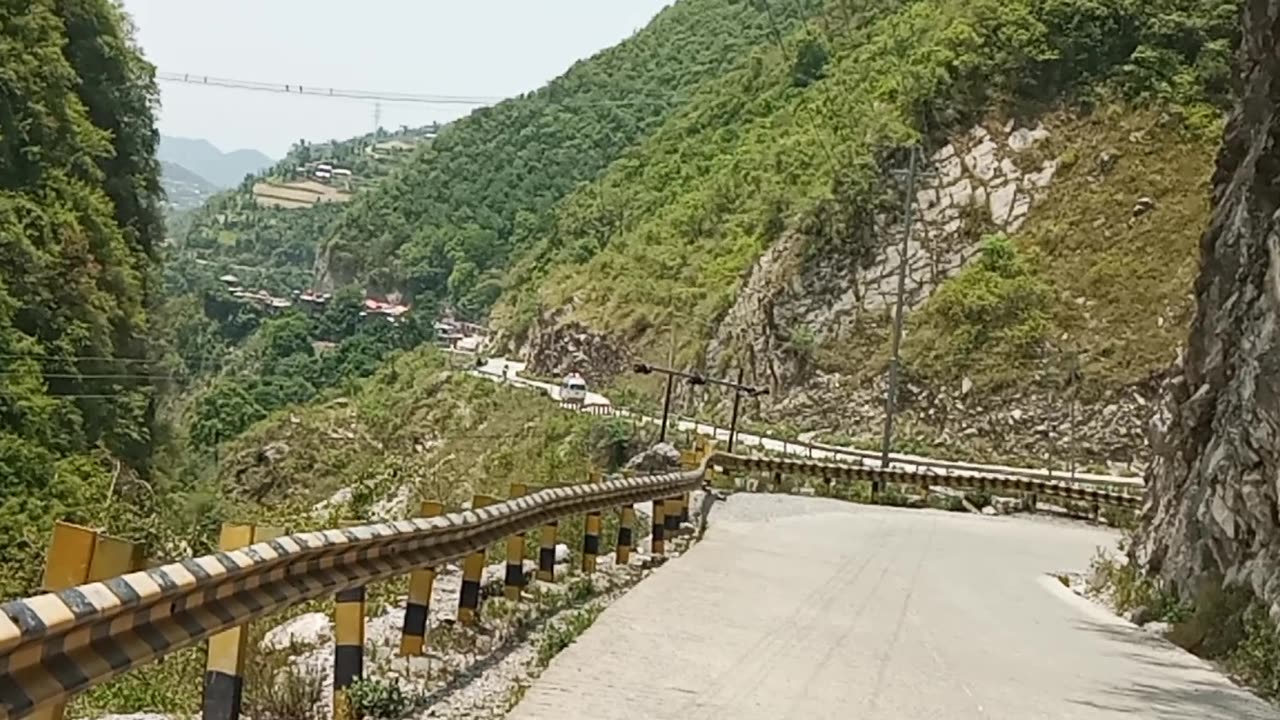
(57, 644)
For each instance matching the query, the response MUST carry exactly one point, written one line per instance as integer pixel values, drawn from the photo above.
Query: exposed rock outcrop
(799, 294)
(1035, 423)
(558, 345)
(1214, 505)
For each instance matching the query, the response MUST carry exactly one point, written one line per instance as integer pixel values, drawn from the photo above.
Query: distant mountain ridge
(201, 157)
(184, 189)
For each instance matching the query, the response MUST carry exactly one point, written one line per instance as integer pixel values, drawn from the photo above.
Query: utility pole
(1074, 379)
(891, 396)
(737, 401)
(666, 408)
(697, 379)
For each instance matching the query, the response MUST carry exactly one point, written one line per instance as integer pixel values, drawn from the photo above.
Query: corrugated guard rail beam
(58, 644)
(995, 483)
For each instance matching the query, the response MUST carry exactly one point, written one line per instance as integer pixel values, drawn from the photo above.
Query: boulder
(662, 457)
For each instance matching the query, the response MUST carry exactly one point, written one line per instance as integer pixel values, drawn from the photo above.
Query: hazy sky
(487, 48)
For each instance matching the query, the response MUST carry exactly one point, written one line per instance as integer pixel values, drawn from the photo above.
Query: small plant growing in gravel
(1256, 659)
(580, 590)
(278, 689)
(377, 699)
(561, 635)
(1130, 590)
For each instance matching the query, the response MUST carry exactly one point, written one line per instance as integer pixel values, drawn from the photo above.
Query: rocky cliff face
(1035, 424)
(1214, 503)
(557, 346)
(804, 290)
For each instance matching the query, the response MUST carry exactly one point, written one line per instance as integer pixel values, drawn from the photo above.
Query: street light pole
(891, 395)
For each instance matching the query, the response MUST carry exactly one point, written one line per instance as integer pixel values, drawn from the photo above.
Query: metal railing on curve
(61, 643)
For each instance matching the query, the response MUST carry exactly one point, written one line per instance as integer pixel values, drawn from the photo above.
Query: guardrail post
(472, 569)
(348, 654)
(657, 539)
(79, 555)
(413, 638)
(591, 535)
(671, 517)
(224, 669)
(626, 536)
(515, 553)
(547, 551)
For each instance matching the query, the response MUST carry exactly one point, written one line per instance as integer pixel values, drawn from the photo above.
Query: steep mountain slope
(450, 224)
(183, 189)
(79, 222)
(224, 170)
(763, 222)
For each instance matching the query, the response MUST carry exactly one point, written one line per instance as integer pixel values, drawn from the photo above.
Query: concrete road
(808, 608)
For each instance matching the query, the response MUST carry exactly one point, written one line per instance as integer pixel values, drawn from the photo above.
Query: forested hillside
(449, 226)
(79, 228)
(762, 220)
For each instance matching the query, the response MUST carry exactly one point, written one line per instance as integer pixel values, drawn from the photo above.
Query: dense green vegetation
(1118, 299)
(450, 224)
(779, 146)
(79, 227)
(992, 317)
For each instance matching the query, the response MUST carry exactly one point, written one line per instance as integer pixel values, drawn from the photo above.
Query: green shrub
(987, 321)
(978, 498)
(1256, 659)
(1129, 589)
(377, 699)
(561, 635)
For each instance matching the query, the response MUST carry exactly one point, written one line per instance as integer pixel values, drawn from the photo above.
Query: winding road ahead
(808, 608)
(499, 369)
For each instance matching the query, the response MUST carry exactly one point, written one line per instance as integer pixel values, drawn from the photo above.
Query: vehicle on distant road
(573, 389)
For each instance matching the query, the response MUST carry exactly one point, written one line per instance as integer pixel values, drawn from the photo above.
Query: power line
(472, 101)
(70, 358)
(320, 91)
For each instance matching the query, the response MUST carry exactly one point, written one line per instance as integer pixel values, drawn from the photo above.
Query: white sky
(487, 48)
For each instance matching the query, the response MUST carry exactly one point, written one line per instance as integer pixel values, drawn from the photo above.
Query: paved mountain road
(808, 608)
(498, 369)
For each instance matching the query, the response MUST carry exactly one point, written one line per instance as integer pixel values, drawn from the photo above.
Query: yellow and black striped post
(547, 551)
(671, 517)
(348, 653)
(224, 670)
(591, 534)
(413, 638)
(515, 553)
(78, 555)
(626, 536)
(684, 508)
(472, 569)
(657, 537)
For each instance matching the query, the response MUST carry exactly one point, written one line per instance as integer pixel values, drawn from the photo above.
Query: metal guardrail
(58, 644)
(839, 471)
(55, 645)
(942, 466)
